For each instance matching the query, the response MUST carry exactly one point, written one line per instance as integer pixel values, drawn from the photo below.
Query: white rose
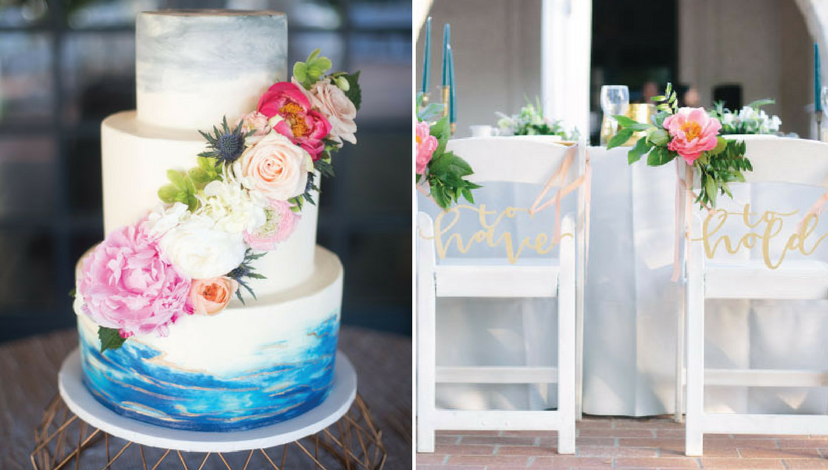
(727, 119)
(337, 108)
(276, 167)
(201, 250)
(747, 113)
(163, 218)
(233, 208)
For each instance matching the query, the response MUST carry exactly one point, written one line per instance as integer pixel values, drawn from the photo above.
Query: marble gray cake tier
(185, 56)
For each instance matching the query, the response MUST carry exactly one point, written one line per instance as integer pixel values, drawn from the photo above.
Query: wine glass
(615, 99)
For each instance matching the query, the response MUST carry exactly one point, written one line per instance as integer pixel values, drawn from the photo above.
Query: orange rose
(210, 296)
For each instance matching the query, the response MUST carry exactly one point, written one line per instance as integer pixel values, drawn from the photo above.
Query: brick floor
(624, 443)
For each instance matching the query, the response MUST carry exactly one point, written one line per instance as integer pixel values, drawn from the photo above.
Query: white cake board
(81, 402)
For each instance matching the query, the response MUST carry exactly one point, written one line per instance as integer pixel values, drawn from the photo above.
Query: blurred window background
(66, 65)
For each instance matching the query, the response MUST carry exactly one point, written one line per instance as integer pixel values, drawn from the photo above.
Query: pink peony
(128, 284)
(210, 296)
(281, 222)
(254, 121)
(301, 124)
(426, 145)
(693, 132)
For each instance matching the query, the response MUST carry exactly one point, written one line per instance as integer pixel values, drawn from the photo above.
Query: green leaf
(658, 137)
(468, 195)
(167, 194)
(192, 202)
(177, 179)
(110, 338)
(620, 138)
(641, 147)
(660, 156)
(73, 293)
(721, 145)
(354, 92)
(659, 98)
(300, 71)
(628, 123)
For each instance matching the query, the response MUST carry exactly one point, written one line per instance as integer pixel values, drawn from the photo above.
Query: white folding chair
(796, 161)
(517, 160)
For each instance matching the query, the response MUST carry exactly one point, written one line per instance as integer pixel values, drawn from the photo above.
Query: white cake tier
(244, 367)
(194, 66)
(135, 159)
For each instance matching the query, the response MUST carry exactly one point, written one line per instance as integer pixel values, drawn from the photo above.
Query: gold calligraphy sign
(767, 227)
(541, 243)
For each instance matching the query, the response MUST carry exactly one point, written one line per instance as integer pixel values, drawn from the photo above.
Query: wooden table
(28, 380)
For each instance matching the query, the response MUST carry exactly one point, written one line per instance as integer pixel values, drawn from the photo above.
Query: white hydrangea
(162, 218)
(233, 207)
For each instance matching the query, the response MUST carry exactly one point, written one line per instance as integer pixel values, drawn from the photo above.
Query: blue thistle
(246, 271)
(224, 144)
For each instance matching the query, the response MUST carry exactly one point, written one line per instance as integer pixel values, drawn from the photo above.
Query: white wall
(497, 53)
(763, 45)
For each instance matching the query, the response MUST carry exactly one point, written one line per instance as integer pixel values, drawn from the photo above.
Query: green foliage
(110, 338)
(181, 189)
(204, 173)
(354, 92)
(446, 172)
(309, 72)
(717, 170)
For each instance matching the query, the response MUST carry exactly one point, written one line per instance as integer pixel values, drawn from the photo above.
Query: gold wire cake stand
(64, 441)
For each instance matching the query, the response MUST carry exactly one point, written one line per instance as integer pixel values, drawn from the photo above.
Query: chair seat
(496, 277)
(752, 279)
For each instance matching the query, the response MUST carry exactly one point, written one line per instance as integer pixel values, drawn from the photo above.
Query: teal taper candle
(446, 41)
(452, 87)
(427, 55)
(817, 81)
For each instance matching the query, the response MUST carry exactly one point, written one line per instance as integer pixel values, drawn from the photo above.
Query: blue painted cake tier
(296, 376)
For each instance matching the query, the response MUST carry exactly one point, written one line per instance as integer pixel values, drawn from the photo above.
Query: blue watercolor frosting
(128, 382)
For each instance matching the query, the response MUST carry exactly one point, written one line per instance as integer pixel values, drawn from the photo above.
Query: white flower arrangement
(751, 119)
(531, 121)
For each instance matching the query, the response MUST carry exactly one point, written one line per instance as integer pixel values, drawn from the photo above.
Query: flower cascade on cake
(243, 196)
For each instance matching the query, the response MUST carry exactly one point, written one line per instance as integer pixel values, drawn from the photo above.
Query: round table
(28, 380)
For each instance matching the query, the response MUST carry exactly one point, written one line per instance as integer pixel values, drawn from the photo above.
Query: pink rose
(281, 222)
(693, 132)
(301, 124)
(210, 296)
(127, 283)
(277, 167)
(255, 122)
(331, 101)
(426, 145)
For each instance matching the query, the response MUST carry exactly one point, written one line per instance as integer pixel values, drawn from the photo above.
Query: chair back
(519, 159)
(786, 160)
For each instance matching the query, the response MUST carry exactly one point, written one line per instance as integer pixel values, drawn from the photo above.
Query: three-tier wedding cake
(209, 306)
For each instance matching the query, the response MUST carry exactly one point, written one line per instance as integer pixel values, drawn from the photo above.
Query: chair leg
(679, 403)
(567, 347)
(426, 362)
(695, 367)
(566, 371)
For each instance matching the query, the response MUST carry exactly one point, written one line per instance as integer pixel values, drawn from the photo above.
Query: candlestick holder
(453, 128)
(424, 100)
(446, 104)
